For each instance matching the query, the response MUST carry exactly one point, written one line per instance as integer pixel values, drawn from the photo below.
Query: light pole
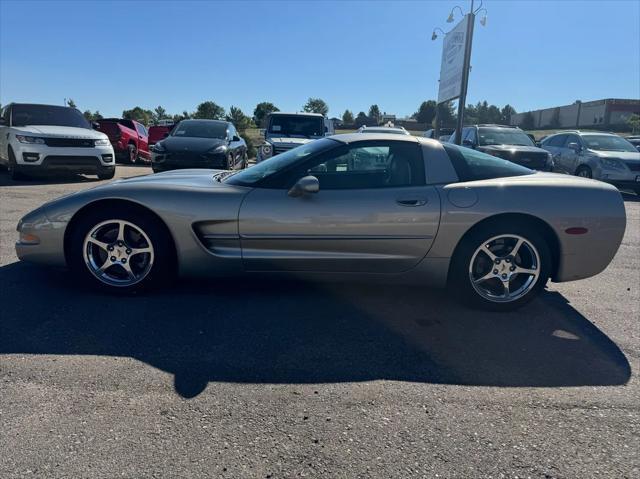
(462, 98)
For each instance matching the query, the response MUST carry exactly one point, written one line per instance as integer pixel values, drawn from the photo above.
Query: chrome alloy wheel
(118, 253)
(504, 268)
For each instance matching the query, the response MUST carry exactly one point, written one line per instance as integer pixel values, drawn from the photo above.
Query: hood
(514, 148)
(52, 131)
(190, 144)
(620, 155)
(286, 141)
(191, 178)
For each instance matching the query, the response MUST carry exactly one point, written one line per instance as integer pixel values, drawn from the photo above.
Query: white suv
(49, 138)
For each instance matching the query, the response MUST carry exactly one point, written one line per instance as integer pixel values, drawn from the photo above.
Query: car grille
(69, 142)
(530, 160)
(71, 160)
(281, 149)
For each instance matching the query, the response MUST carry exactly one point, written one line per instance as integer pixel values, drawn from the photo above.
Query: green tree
(634, 123)
(261, 112)
(239, 119)
(316, 105)
(209, 110)
(446, 115)
(426, 112)
(71, 103)
(159, 113)
(374, 113)
(361, 119)
(138, 114)
(92, 116)
(528, 121)
(506, 113)
(347, 118)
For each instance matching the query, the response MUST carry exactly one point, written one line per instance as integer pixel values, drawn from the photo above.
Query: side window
(140, 129)
(474, 165)
(557, 141)
(7, 115)
(572, 139)
(232, 132)
(378, 164)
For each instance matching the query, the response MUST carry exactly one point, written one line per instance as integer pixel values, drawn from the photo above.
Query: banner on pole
(452, 65)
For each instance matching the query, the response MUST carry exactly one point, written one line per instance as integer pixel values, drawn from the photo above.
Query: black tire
(584, 171)
(162, 270)
(107, 175)
(132, 152)
(12, 168)
(460, 283)
(245, 160)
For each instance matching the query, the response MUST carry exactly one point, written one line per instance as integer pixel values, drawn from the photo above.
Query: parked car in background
(397, 208)
(508, 142)
(49, 138)
(159, 132)
(288, 130)
(444, 135)
(635, 141)
(200, 144)
(130, 139)
(602, 156)
(383, 129)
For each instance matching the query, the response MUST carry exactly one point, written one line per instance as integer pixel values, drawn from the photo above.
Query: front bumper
(166, 162)
(42, 158)
(49, 247)
(620, 178)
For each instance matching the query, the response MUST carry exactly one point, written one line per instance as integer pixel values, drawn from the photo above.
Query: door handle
(411, 202)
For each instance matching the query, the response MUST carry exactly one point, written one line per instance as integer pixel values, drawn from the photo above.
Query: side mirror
(95, 125)
(468, 143)
(235, 138)
(305, 185)
(574, 146)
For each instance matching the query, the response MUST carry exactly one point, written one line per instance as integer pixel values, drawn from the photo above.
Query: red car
(130, 139)
(158, 132)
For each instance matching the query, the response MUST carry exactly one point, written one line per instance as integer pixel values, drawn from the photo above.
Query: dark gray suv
(507, 142)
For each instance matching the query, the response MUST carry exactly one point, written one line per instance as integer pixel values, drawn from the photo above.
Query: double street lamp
(462, 98)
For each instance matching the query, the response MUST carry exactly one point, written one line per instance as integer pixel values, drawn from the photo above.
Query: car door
(555, 146)
(373, 213)
(143, 140)
(570, 158)
(4, 135)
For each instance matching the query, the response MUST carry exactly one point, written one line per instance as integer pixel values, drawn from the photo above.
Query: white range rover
(47, 138)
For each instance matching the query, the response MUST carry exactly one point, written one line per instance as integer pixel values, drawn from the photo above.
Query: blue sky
(115, 55)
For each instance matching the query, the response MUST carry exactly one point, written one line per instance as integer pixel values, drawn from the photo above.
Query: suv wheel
(584, 172)
(133, 154)
(12, 167)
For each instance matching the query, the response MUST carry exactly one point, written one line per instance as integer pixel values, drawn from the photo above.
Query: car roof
(205, 119)
(354, 137)
(495, 125)
(296, 113)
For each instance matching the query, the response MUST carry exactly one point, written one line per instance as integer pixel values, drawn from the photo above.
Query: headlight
(266, 150)
(30, 139)
(611, 163)
(158, 148)
(218, 149)
(102, 142)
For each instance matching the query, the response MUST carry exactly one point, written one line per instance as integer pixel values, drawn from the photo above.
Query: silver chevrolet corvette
(379, 206)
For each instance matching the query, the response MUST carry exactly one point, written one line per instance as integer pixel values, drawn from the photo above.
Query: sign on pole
(452, 65)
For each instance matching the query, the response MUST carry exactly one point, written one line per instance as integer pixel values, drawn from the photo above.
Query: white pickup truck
(37, 139)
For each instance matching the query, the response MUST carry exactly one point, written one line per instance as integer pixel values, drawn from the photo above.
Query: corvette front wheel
(121, 251)
(501, 268)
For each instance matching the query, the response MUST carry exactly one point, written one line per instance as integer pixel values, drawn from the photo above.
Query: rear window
(475, 165)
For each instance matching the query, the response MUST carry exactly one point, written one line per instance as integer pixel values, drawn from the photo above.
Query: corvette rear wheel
(502, 268)
(121, 251)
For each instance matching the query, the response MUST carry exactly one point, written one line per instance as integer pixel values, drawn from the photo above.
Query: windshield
(23, 115)
(201, 129)
(607, 143)
(503, 136)
(393, 131)
(296, 126)
(266, 168)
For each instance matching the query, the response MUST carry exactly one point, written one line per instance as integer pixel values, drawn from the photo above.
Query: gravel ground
(278, 380)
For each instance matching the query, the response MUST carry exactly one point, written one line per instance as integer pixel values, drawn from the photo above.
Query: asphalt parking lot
(245, 379)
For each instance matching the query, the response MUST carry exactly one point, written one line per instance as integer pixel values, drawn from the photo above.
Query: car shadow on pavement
(59, 179)
(291, 332)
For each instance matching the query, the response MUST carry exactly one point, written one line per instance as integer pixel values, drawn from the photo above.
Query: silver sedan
(378, 206)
